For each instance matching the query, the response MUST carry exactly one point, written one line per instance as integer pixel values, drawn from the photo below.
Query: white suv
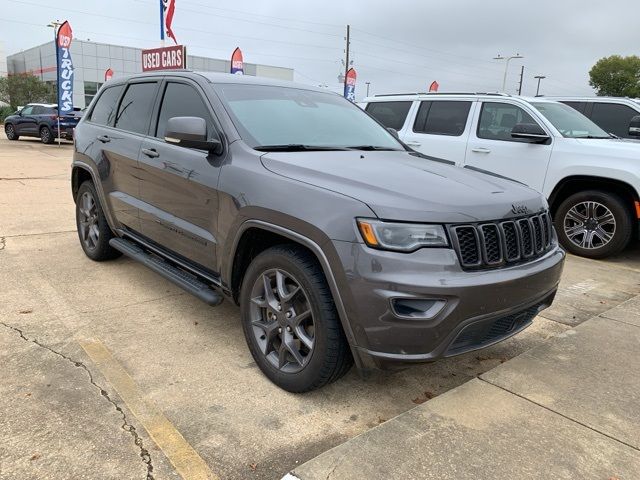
(591, 180)
(612, 114)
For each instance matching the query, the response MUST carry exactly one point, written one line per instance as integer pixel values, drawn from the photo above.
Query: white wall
(3, 61)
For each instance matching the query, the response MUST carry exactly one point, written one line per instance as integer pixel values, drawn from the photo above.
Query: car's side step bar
(178, 276)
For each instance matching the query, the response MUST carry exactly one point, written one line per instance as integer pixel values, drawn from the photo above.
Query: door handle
(414, 144)
(150, 152)
(481, 150)
(104, 139)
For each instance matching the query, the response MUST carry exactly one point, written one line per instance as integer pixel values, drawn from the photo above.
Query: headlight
(401, 237)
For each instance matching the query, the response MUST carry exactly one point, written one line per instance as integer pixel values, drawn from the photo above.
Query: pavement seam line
(126, 426)
(3, 243)
(561, 414)
(185, 459)
(38, 234)
(603, 315)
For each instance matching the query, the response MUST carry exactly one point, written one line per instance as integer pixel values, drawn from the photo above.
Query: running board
(176, 275)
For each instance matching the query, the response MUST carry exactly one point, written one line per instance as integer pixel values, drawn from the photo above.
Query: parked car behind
(336, 241)
(612, 114)
(592, 181)
(41, 120)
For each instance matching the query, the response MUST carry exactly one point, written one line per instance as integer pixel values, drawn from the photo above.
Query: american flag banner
(167, 10)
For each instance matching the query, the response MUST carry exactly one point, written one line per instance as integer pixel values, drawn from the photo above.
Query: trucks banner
(65, 69)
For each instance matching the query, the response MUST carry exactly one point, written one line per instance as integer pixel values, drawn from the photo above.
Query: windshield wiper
(592, 137)
(295, 147)
(373, 148)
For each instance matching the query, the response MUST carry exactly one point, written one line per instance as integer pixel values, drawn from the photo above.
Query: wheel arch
(577, 183)
(255, 236)
(79, 175)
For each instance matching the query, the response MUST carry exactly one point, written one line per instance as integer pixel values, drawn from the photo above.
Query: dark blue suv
(41, 120)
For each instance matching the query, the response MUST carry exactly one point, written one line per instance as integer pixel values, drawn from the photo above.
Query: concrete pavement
(188, 361)
(564, 410)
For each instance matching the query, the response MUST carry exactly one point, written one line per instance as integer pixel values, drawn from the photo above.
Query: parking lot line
(184, 458)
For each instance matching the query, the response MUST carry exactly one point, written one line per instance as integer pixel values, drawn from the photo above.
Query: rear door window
(579, 106)
(613, 118)
(442, 118)
(389, 114)
(135, 107)
(104, 112)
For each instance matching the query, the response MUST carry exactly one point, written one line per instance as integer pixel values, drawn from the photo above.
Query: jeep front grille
(495, 244)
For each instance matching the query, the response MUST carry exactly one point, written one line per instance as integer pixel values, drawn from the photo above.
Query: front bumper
(471, 301)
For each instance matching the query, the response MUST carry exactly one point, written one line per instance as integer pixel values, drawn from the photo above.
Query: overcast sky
(398, 46)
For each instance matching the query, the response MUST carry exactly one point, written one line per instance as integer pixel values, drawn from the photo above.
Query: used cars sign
(166, 58)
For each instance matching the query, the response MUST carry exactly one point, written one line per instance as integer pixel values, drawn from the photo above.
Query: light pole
(539, 77)
(368, 84)
(506, 67)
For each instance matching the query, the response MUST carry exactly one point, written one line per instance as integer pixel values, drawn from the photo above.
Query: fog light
(418, 308)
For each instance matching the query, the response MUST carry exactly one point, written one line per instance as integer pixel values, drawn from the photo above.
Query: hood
(402, 186)
(617, 147)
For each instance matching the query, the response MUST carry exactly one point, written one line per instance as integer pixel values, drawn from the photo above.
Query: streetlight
(368, 84)
(506, 67)
(539, 77)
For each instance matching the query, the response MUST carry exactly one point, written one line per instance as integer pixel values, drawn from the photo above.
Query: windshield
(283, 118)
(569, 122)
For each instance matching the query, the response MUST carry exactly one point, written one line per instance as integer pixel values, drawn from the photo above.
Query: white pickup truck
(592, 181)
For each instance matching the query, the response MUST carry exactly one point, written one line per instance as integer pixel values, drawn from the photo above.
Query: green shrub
(5, 112)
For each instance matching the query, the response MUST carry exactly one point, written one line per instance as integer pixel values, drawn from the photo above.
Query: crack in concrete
(126, 426)
(3, 243)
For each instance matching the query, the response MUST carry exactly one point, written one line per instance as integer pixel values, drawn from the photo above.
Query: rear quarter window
(390, 114)
(104, 112)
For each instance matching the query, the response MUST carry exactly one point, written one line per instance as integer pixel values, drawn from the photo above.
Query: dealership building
(91, 60)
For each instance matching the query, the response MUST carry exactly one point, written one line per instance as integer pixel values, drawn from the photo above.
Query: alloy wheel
(10, 131)
(282, 320)
(88, 219)
(45, 135)
(589, 225)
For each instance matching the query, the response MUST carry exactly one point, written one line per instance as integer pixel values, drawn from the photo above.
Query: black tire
(330, 357)
(616, 227)
(46, 135)
(96, 248)
(10, 132)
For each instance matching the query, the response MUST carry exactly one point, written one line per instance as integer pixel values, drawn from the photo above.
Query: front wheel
(10, 132)
(593, 224)
(290, 321)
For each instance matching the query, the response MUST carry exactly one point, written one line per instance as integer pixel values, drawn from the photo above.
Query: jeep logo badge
(519, 209)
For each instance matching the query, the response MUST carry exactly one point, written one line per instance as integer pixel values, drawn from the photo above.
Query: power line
(207, 32)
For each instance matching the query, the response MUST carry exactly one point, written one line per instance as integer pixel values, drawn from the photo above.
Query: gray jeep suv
(338, 243)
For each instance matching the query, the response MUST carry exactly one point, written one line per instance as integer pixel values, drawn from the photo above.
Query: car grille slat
(495, 244)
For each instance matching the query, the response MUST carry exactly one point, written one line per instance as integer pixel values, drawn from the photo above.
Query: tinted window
(27, 110)
(579, 106)
(498, 119)
(104, 112)
(135, 107)
(38, 110)
(442, 118)
(613, 118)
(390, 114)
(181, 100)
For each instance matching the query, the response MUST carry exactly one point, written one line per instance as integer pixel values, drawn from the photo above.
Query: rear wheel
(46, 135)
(10, 132)
(594, 224)
(290, 321)
(93, 230)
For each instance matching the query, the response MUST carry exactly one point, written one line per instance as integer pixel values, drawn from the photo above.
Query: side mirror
(394, 132)
(529, 131)
(634, 126)
(190, 132)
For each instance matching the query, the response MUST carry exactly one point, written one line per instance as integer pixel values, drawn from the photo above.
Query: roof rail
(499, 94)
